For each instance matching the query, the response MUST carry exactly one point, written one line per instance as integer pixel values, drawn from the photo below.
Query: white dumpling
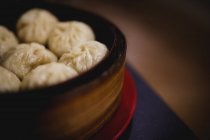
(85, 56)
(26, 57)
(48, 74)
(9, 82)
(7, 40)
(35, 25)
(67, 35)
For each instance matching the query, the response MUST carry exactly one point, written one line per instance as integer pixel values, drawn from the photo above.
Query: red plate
(113, 129)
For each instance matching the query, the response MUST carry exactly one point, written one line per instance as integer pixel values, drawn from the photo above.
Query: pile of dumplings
(46, 51)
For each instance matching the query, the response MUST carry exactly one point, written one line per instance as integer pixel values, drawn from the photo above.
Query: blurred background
(169, 46)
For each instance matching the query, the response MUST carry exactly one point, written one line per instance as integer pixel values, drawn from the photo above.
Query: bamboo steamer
(74, 109)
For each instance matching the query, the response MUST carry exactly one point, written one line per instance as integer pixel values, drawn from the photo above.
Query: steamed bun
(35, 25)
(9, 82)
(26, 57)
(85, 56)
(7, 40)
(67, 35)
(48, 74)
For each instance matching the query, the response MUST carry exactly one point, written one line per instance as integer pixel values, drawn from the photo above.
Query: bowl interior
(105, 32)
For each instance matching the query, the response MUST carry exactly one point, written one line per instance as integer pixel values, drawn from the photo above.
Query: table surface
(153, 119)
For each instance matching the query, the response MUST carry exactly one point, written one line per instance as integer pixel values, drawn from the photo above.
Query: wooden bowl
(74, 109)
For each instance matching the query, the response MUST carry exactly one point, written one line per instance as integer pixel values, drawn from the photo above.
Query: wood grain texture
(82, 115)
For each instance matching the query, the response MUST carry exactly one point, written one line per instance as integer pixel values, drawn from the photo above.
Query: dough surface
(35, 25)
(26, 57)
(85, 56)
(9, 82)
(7, 40)
(67, 35)
(48, 74)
